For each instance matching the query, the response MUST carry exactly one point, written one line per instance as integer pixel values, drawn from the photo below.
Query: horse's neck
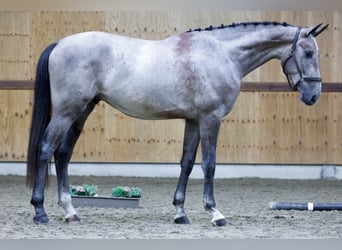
(255, 48)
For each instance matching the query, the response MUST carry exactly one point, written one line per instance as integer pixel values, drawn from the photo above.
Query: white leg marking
(180, 212)
(65, 202)
(216, 215)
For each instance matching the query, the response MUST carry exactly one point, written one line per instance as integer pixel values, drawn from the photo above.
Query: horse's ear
(316, 30)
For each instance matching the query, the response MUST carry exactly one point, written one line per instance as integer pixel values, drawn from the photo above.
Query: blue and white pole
(310, 206)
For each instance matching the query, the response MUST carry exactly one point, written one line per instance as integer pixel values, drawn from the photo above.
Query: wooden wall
(264, 127)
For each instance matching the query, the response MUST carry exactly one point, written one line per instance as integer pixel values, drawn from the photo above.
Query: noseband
(302, 78)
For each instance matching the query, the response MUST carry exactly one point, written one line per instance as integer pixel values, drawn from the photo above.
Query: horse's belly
(149, 108)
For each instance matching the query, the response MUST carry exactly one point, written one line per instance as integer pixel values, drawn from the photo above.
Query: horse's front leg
(209, 129)
(190, 145)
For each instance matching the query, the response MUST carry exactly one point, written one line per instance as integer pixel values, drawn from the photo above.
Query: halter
(302, 78)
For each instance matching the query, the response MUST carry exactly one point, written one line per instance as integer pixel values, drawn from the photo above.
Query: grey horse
(194, 76)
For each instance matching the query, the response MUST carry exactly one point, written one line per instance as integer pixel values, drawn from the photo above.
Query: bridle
(302, 78)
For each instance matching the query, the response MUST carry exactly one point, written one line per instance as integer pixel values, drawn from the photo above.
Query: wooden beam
(16, 85)
(269, 87)
(246, 86)
(284, 87)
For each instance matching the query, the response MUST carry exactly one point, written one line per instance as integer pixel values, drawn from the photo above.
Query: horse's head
(301, 64)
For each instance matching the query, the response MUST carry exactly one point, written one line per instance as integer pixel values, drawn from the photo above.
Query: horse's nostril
(313, 100)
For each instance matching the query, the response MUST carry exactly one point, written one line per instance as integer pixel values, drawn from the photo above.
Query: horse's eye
(308, 54)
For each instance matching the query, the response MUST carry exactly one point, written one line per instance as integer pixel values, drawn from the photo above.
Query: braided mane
(243, 24)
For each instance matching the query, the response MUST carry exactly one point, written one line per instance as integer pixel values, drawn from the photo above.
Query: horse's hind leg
(190, 145)
(51, 139)
(62, 157)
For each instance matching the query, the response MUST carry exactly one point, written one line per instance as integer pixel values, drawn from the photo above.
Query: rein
(292, 55)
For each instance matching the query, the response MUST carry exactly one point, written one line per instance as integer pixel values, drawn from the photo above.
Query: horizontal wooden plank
(284, 87)
(16, 85)
(246, 86)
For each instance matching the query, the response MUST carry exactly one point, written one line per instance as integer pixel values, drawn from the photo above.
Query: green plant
(131, 192)
(135, 192)
(84, 190)
(118, 191)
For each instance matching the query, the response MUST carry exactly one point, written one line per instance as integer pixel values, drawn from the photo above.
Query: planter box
(102, 201)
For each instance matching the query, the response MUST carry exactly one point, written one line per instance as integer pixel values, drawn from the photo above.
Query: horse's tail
(41, 113)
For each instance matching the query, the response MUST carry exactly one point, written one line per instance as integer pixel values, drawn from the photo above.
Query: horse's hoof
(73, 218)
(219, 223)
(41, 219)
(182, 220)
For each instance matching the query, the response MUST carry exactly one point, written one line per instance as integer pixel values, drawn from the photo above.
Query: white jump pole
(310, 206)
